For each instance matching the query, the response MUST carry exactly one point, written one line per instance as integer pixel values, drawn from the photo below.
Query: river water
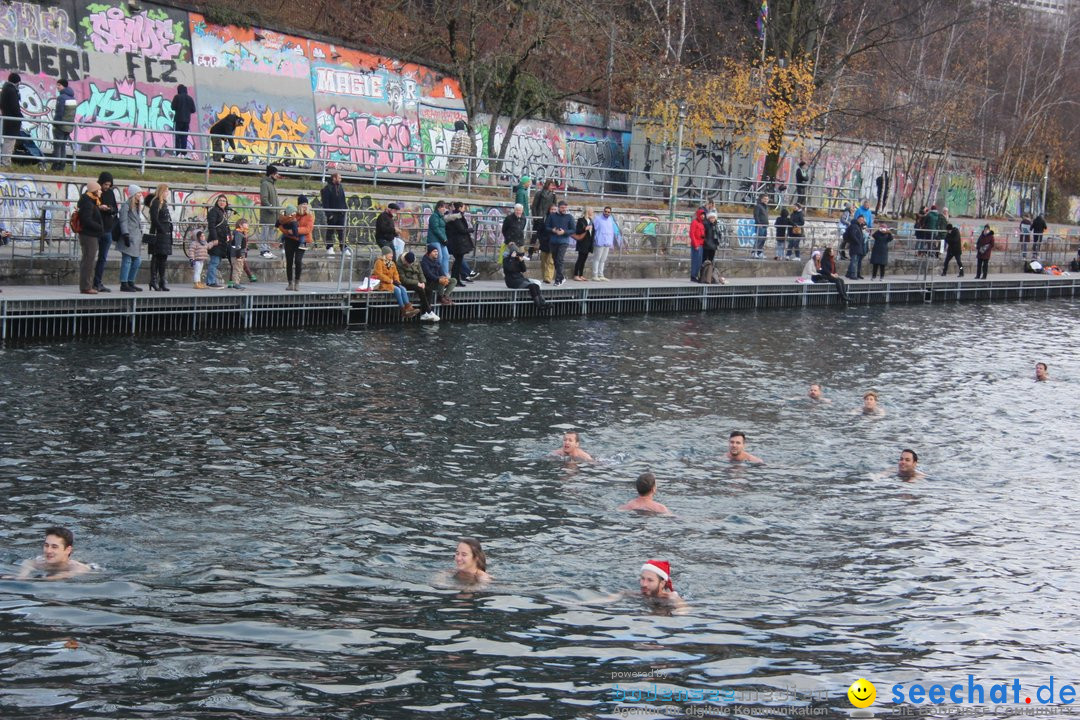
(271, 515)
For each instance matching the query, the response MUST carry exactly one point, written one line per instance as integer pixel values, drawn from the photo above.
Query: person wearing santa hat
(655, 582)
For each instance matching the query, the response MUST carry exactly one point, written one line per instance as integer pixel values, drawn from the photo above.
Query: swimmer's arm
(74, 568)
(582, 455)
(26, 570)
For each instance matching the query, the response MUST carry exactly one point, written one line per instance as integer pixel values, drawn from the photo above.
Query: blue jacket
(67, 95)
(864, 213)
(558, 220)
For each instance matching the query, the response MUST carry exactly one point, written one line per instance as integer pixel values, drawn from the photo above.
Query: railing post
(142, 160)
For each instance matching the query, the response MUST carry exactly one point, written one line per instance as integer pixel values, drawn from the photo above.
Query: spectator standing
(224, 131)
(547, 265)
(513, 229)
(436, 234)
(697, 243)
(305, 223)
(290, 245)
(198, 252)
(521, 192)
(864, 212)
(842, 225)
(922, 237)
(761, 227)
(542, 203)
(882, 185)
(218, 238)
(879, 253)
(63, 119)
(801, 180)
(560, 227)
(458, 241)
(855, 240)
(935, 230)
(183, 107)
(109, 209)
(238, 244)
(954, 248)
(984, 246)
(89, 230)
(11, 110)
(796, 233)
(460, 152)
(130, 241)
(604, 229)
(161, 228)
(269, 208)
(583, 236)
(781, 226)
(334, 206)
(714, 235)
(1025, 234)
(1038, 227)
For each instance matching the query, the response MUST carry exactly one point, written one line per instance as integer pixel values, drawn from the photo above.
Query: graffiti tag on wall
(247, 49)
(370, 143)
(35, 59)
(135, 113)
(270, 133)
(33, 23)
(151, 33)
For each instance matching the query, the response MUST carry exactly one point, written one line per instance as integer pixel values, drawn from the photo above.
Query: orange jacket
(385, 271)
(305, 225)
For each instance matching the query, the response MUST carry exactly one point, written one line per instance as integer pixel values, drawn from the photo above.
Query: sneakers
(329, 252)
(559, 282)
(267, 254)
(216, 286)
(348, 251)
(237, 286)
(601, 278)
(430, 316)
(253, 278)
(200, 286)
(473, 275)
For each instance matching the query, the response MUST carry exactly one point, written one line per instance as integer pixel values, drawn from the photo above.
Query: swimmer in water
(908, 467)
(571, 448)
(55, 561)
(815, 394)
(646, 488)
(737, 449)
(1042, 373)
(470, 562)
(870, 405)
(655, 583)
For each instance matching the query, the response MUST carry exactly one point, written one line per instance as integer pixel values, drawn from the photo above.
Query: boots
(126, 287)
(409, 311)
(961, 273)
(290, 287)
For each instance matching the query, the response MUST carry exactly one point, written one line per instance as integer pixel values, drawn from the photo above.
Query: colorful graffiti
(32, 58)
(137, 115)
(367, 142)
(153, 33)
(21, 206)
(344, 71)
(270, 133)
(37, 98)
(247, 49)
(29, 22)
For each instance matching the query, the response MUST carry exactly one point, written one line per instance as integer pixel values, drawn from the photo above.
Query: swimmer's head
(646, 484)
(869, 401)
(470, 556)
(570, 441)
(909, 459)
(815, 392)
(736, 443)
(655, 577)
(59, 542)
(1042, 372)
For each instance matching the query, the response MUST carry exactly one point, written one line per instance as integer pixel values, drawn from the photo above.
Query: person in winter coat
(855, 240)
(12, 113)
(514, 227)
(604, 230)
(761, 227)
(109, 206)
(305, 222)
(1038, 227)
(935, 230)
(922, 235)
(547, 264)
(161, 228)
(842, 225)
(583, 236)
(290, 244)
(224, 131)
(697, 243)
(412, 277)
(796, 233)
(827, 272)
(386, 272)
(780, 228)
(436, 234)
(560, 227)
(63, 117)
(89, 234)
(864, 212)
(983, 247)
(1025, 234)
(460, 150)
(269, 209)
(879, 253)
(130, 240)
(183, 107)
(198, 253)
(458, 241)
(541, 205)
(385, 232)
(521, 191)
(238, 250)
(435, 277)
(217, 238)
(514, 276)
(954, 248)
(334, 205)
(714, 236)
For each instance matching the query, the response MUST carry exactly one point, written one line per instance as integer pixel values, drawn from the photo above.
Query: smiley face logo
(862, 693)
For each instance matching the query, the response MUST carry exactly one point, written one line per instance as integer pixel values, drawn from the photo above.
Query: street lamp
(1046, 179)
(675, 165)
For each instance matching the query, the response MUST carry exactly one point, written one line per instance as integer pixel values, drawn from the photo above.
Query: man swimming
(655, 583)
(1042, 373)
(908, 467)
(737, 449)
(55, 561)
(646, 488)
(816, 395)
(870, 405)
(571, 448)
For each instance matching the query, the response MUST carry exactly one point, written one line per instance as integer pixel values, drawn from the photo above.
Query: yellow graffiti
(271, 133)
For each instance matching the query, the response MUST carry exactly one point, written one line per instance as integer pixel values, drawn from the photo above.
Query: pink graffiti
(31, 23)
(370, 142)
(112, 31)
(140, 119)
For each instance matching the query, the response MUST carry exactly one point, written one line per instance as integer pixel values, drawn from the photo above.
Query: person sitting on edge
(646, 489)
(655, 583)
(737, 449)
(514, 276)
(907, 468)
(812, 269)
(434, 277)
(815, 394)
(571, 448)
(870, 405)
(55, 561)
(385, 271)
(1042, 372)
(470, 562)
(412, 277)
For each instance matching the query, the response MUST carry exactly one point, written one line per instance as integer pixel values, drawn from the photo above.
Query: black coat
(514, 272)
(384, 229)
(226, 125)
(513, 228)
(183, 107)
(584, 225)
(854, 239)
(89, 216)
(879, 254)
(713, 234)
(1038, 225)
(217, 221)
(109, 210)
(333, 202)
(458, 235)
(432, 270)
(10, 109)
(160, 228)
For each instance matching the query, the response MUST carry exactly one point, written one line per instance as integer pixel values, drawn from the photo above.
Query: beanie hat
(134, 190)
(432, 246)
(290, 210)
(661, 568)
(525, 179)
(105, 176)
(387, 250)
(393, 206)
(14, 78)
(302, 200)
(410, 258)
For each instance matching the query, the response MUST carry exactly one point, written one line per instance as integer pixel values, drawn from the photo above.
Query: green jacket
(436, 228)
(521, 196)
(411, 275)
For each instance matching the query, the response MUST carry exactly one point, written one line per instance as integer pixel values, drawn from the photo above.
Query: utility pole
(1046, 180)
(673, 198)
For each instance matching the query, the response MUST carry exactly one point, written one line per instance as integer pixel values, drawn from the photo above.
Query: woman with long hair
(470, 562)
(217, 238)
(130, 240)
(161, 228)
(828, 273)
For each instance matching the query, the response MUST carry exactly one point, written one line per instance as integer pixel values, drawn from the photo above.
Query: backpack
(75, 222)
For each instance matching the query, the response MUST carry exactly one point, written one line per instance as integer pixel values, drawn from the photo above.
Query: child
(198, 252)
(238, 253)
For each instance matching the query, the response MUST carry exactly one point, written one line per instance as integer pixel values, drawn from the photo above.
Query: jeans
(401, 295)
(949, 255)
(558, 257)
(129, 268)
(212, 270)
(181, 129)
(793, 246)
(61, 139)
(1024, 239)
(267, 234)
(759, 244)
(444, 259)
(696, 257)
(599, 258)
(854, 267)
(104, 243)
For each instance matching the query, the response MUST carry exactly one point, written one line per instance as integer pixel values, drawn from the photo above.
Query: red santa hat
(661, 568)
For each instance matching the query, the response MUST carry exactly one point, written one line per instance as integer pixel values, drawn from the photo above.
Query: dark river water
(271, 515)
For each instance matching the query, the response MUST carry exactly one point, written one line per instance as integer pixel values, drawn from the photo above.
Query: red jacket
(697, 230)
